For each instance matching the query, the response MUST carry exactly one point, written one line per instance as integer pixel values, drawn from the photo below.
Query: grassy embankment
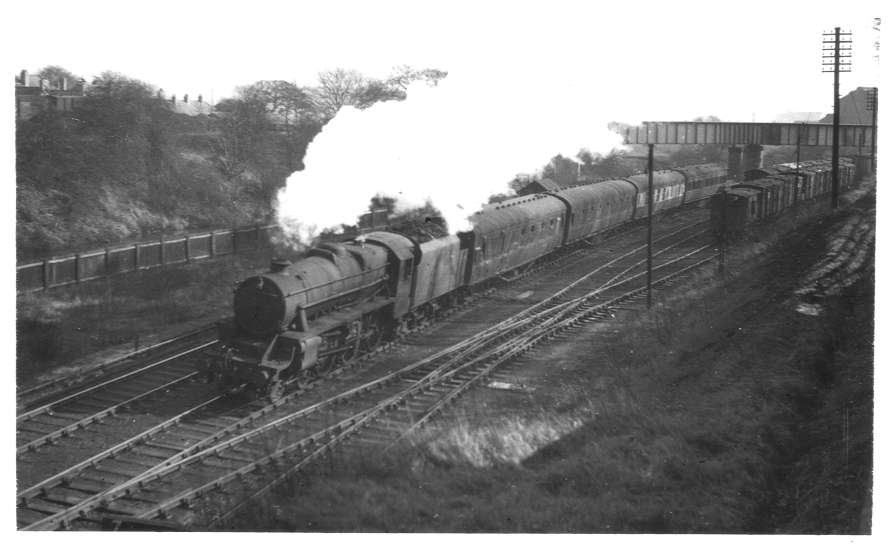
(63, 328)
(723, 410)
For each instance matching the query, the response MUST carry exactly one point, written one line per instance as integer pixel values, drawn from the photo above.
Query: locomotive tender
(342, 299)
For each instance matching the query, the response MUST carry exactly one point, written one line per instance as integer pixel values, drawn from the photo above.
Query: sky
(547, 73)
(633, 61)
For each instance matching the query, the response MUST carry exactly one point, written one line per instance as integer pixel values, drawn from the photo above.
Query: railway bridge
(746, 139)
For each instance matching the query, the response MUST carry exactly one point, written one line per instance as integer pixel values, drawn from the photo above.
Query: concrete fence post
(46, 273)
(136, 256)
(77, 268)
(162, 250)
(187, 248)
(106, 261)
(233, 240)
(211, 244)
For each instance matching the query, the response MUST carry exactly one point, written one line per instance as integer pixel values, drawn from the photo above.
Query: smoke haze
(455, 144)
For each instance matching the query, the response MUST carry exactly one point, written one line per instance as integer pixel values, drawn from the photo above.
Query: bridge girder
(740, 133)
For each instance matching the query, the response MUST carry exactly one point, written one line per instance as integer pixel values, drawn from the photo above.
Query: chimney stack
(279, 265)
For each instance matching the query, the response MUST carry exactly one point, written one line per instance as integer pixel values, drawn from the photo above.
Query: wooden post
(187, 248)
(835, 147)
(162, 250)
(796, 194)
(136, 256)
(211, 244)
(649, 225)
(106, 261)
(874, 134)
(233, 240)
(46, 274)
(77, 268)
(724, 231)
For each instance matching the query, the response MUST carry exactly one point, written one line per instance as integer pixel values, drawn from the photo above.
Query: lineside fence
(96, 264)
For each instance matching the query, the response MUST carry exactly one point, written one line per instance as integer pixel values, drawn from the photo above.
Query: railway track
(249, 455)
(47, 391)
(64, 415)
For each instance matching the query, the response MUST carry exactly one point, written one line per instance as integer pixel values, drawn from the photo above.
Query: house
(35, 95)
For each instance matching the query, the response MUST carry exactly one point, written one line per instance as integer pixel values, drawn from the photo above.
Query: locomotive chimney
(279, 265)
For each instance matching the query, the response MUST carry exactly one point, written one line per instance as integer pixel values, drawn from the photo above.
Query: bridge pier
(752, 157)
(735, 163)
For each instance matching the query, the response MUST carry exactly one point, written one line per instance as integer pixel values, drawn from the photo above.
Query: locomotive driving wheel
(275, 390)
(345, 356)
(373, 337)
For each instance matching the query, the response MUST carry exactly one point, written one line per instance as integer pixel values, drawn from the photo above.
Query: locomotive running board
(341, 317)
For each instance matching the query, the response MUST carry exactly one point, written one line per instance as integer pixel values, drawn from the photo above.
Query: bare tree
(337, 88)
(343, 87)
(283, 100)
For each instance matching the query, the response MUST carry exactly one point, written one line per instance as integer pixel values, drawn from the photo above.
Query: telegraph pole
(841, 49)
(871, 104)
(649, 224)
(799, 177)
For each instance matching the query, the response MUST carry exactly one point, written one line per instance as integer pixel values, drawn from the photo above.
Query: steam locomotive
(342, 299)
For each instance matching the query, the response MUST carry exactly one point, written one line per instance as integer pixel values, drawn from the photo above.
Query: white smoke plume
(456, 143)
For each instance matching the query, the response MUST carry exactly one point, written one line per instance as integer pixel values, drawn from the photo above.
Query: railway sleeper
(152, 451)
(150, 495)
(223, 462)
(45, 506)
(59, 421)
(109, 478)
(86, 485)
(206, 429)
(222, 421)
(189, 437)
(170, 441)
(136, 459)
(26, 516)
(89, 406)
(128, 505)
(106, 398)
(65, 496)
(196, 473)
(233, 455)
(120, 467)
(38, 428)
